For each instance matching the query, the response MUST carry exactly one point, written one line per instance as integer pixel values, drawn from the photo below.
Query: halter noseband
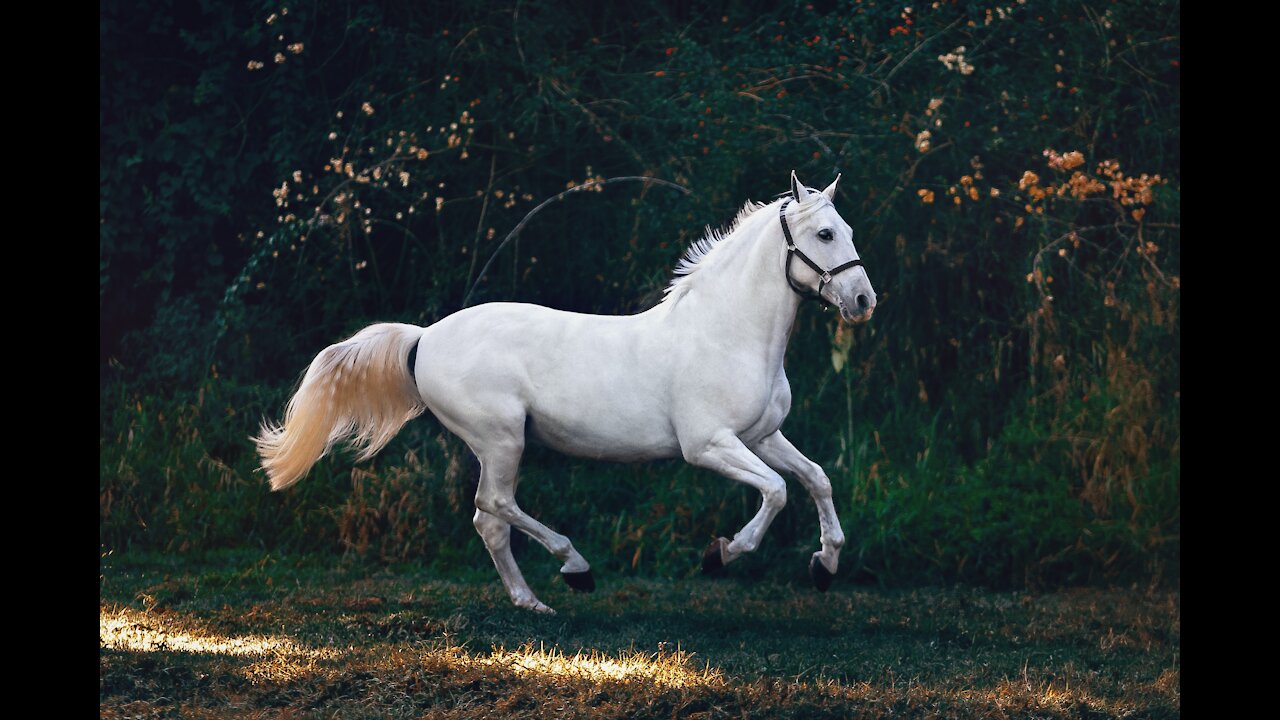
(793, 251)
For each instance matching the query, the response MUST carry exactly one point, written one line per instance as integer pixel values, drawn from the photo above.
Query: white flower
(954, 60)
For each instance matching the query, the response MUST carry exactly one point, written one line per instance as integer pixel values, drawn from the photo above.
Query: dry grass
(280, 639)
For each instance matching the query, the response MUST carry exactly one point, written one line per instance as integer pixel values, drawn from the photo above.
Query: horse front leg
(782, 456)
(724, 453)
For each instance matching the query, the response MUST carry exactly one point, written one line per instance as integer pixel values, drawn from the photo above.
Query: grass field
(257, 636)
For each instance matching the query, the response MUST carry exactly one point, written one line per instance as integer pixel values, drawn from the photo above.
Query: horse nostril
(863, 302)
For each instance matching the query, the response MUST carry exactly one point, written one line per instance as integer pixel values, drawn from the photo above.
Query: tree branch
(466, 300)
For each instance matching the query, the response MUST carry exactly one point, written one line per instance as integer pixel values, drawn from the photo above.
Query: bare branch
(466, 300)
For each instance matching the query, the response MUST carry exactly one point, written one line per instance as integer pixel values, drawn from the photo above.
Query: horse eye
(825, 235)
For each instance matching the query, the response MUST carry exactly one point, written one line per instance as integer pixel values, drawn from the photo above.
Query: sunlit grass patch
(665, 668)
(133, 630)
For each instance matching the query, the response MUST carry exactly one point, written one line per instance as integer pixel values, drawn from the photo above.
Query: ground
(259, 635)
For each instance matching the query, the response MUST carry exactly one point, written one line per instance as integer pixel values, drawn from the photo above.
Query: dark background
(1010, 417)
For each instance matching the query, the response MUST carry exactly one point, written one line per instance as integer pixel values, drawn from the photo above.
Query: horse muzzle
(858, 311)
(853, 317)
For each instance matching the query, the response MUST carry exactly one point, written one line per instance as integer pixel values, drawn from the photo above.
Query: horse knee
(819, 483)
(775, 494)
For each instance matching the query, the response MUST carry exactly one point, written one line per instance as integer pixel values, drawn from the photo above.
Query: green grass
(252, 635)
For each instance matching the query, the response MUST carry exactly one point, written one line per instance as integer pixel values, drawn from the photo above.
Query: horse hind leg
(496, 534)
(495, 497)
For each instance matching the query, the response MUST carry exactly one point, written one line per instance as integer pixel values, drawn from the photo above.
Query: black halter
(793, 251)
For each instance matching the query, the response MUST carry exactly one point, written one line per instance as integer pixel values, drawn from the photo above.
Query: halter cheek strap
(793, 251)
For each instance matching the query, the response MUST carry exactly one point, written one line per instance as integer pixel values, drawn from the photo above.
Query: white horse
(700, 376)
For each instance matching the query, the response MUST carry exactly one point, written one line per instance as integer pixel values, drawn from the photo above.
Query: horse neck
(747, 292)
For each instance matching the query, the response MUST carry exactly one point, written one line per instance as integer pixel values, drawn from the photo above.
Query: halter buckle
(826, 278)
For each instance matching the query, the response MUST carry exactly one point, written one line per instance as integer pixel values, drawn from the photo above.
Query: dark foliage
(272, 181)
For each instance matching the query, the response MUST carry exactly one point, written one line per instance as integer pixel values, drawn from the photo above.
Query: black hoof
(580, 581)
(712, 559)
(821, 576)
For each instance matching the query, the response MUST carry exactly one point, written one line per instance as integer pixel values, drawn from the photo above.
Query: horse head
(830, 267)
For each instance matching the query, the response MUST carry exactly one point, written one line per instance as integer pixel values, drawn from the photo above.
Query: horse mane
(696, 254)
(699, 249)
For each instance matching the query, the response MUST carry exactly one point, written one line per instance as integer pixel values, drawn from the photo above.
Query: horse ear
(798, 191)
(830, 192)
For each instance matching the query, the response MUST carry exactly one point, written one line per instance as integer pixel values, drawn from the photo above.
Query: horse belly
(603, 442)
(604, 426)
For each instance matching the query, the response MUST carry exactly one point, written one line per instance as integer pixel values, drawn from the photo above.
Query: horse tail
(361, 389)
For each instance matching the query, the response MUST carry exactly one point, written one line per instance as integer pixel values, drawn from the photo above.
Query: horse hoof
(713, 556)
(534, 605)
(821, 576)
(580, 581)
